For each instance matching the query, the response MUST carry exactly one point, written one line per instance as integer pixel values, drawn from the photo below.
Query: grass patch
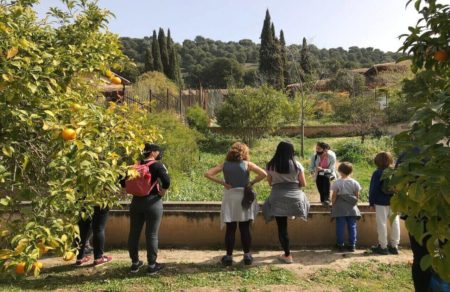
(368, 276)
(193, 186)
(116, 277)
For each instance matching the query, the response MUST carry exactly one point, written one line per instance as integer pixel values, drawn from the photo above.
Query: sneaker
(379, 250)
(136, 266)
(351, 248)
(103, 260)
(248, 259)
(88, 249)
(340, 247)
(83, 260)
(392, 250)
(286, 259)
(157, 267)
(227, 260)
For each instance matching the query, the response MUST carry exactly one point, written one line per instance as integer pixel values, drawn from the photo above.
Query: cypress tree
(277, 78)
(284, 59)
(266, 47)
(148, 60)
(304, 60)
(163, 49)
(169, 43)
(174, 68)
(157, 63)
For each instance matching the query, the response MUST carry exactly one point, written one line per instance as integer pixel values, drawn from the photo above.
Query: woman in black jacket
(148, 210)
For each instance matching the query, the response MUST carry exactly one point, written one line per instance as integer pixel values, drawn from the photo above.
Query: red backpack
(140, 186)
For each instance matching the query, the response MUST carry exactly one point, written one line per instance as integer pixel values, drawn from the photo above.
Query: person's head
(322, 147)
(152, 151)
(345, 168)
(383, 160)
(283, 154)
(238, 152)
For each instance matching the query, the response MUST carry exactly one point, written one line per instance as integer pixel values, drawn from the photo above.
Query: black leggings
(98, 223)
(283, 234)
(323, 186)
(246, 238)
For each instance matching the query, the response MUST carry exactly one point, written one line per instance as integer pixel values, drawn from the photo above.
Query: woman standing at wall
(286, 177)
(236, 172)
(323, 169)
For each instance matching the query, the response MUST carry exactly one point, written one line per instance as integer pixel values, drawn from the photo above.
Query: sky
(324, 23)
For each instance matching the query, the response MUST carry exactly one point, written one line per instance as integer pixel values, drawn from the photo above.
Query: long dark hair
(283, 154)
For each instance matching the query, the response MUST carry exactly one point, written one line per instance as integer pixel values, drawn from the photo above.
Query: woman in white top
(236, 171)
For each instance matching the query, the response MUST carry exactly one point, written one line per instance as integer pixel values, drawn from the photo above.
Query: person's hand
(319, 168)
(227, 186)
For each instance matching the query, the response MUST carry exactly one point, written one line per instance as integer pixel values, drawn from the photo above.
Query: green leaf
(8, 151)
(425, 262)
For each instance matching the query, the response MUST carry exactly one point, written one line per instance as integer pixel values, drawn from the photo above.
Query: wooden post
(190, 93)
(150, 100)
(167, 99)
(180, 102)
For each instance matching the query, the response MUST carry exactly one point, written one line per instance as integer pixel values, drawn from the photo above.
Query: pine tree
(157, 63)
(163, 49)
(284, 59)
(148, 60)
(304, 61)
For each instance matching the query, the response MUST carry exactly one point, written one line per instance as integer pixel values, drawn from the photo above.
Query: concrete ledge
(197, 225)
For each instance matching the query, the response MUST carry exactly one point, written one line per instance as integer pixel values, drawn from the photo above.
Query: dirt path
(306, 261)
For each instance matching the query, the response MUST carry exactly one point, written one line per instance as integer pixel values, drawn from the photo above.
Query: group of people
(286, 177)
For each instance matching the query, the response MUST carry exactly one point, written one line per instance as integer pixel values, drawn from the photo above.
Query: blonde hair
(238, 152)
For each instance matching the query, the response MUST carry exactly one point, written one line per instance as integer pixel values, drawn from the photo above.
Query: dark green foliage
(198, 53)
(148, 60)
(174, 68)
(354, 152)
(305, 63)
(284, 59)
(345, 80)
(270, 59)
(157, 63)
(221, 73)
(163, 49)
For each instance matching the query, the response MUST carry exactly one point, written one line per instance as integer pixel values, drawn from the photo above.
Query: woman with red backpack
(148, 208)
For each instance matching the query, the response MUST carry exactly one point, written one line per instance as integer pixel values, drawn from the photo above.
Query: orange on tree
(20, 268)
(75, 107)
(68, 256)
(109, 73)
(38, 265)
(440, 56)
(68, 134)
(116, 80)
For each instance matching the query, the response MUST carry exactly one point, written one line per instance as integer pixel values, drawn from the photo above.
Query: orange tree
(60, 147)
(423, 178)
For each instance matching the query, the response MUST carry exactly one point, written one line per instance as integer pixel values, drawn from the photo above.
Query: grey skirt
(286, 199)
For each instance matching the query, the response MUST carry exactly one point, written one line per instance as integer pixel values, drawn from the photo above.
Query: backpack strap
(150, 163)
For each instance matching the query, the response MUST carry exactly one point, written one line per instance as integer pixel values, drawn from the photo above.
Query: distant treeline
(217, 64)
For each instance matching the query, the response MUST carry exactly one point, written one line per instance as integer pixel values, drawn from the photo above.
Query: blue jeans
(351, 228)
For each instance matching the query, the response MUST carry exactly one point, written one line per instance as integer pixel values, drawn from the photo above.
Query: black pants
(421, 278)
(148, 210)
(230, 234)
(283, 234)
(98, 223)
(323, 186)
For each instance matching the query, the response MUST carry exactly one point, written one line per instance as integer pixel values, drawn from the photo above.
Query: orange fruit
(69, 134)
(440, 56)
(68, 256)
(20, 268)
(38, 265)
(75, 107)
(43, 249)
(109, 74)
(116, 80)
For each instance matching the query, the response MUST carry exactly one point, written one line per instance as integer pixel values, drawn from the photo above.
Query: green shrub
(355, 151)
(197, 118)
(178, 141)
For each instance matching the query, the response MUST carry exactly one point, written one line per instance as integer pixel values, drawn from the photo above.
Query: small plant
(197, 118)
